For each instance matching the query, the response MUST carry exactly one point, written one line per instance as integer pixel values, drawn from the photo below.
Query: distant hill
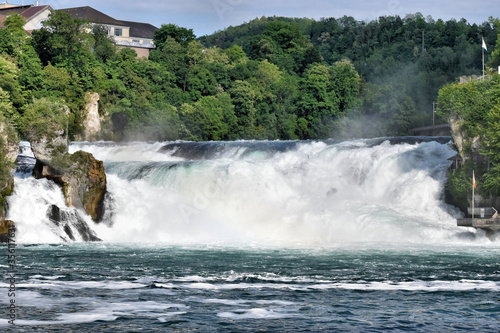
(414, 55)
(242, 34)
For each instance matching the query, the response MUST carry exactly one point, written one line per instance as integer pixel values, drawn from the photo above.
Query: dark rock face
(5, 227)
(462, 141)
(6, 189)
(70, 221)
(8, 152)
(82, 179)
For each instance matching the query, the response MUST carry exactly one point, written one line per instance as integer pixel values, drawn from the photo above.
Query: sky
(208, 16)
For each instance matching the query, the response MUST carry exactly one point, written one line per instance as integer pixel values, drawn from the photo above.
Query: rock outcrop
(47, 134)
(10, 140)
(6, 189)
(81, 177)
(44, 148)
(6, 228)
(468, 148)
(8, 152)
(71, 223)
(92, 120)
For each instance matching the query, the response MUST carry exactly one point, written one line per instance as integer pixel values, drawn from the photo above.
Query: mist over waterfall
(290, 193)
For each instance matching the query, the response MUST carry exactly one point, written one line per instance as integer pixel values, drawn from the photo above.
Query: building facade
(33, 14)
(134, 35)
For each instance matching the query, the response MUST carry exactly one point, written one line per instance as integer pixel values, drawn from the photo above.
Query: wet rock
(9, 143)
(331, 192)
(6, 227)
(81, 177)
(71, 222)
(468, 148)
(54, 214)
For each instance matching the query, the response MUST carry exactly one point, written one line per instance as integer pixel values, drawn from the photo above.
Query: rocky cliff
(80, 175)
(8, 152)
(92, 120)
(46, 128)
(469, 150)
(467, 147)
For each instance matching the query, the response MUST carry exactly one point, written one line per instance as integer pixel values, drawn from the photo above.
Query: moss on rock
(6, 226)
(9, 143)
(81, 177)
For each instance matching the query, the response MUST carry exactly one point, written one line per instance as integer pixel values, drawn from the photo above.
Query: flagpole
(483, 64)
(484, 48)
(473, 186)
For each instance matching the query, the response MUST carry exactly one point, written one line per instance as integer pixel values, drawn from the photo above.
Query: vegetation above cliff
(476, 106)
(268, 79)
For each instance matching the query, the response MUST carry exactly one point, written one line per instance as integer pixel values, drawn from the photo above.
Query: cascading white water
(271, 193)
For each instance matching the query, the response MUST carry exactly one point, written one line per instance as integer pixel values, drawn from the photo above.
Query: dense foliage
(476, 106)
(403, 61)
(273, 78)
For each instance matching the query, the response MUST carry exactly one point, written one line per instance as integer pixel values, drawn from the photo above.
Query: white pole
(483, 63)
(473, 181)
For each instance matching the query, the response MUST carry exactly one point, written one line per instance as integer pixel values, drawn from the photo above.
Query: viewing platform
(484, 218)
(480, 223)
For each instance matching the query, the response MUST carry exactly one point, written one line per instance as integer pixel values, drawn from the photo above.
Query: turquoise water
(131, 288)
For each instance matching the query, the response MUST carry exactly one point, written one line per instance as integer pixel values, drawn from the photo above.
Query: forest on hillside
(403, 62)
(271, 78)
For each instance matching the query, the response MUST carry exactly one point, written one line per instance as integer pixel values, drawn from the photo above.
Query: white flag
(484, 46)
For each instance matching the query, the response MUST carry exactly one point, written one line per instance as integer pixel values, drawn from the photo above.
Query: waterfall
(291, 193)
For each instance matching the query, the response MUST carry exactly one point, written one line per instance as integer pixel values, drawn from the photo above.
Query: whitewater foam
(295, 194)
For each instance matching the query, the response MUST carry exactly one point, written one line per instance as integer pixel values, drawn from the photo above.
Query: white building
(135, 35)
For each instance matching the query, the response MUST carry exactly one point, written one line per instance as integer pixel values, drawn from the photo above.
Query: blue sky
(207, 16)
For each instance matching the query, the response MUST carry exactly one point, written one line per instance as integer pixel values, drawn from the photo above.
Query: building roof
(13, 9)
(27, 11)
(92, 15)
(137, 29)
(33, 11)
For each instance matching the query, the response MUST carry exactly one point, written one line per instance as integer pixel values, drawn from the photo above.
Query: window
(118, 31)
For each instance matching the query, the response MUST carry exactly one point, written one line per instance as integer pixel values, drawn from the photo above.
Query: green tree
(210, 118)
(31, 75)
(9, 81)
(345, 82)
(235, 54)
(64, 41)
(15, 25)
(181, 35)
(7, 43)
(495, 55)
(318, 105)
(104, 47)
(45, 117)
(243, 97)
(489, 131)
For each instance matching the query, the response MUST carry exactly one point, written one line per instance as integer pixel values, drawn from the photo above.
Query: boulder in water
(70, 221)
(6, 226)
(81, 177)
